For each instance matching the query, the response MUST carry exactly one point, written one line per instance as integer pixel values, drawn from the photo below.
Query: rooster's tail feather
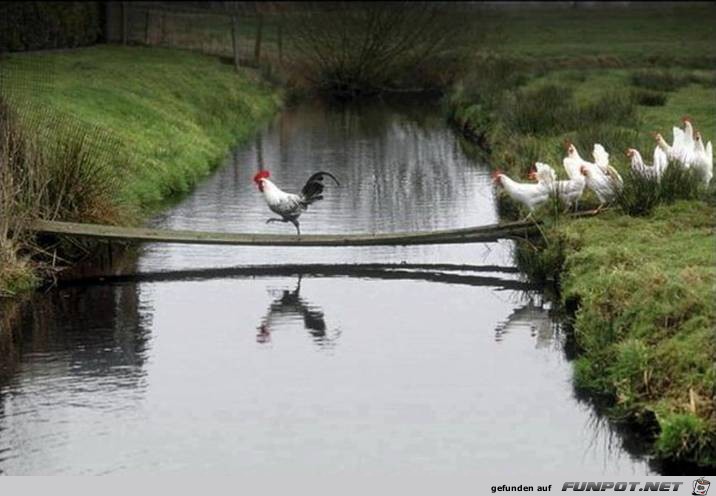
(313, 189)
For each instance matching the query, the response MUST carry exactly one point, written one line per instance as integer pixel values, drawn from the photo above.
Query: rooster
(290, 206)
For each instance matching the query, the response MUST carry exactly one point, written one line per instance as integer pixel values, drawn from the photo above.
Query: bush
(43, 25)
(658, 80)
(356, 48)
(641, 195)
(649, 98)
(488, 77)
(63, 178)
(616, 108)
(679, 183)
(686, 437)
(542, 111)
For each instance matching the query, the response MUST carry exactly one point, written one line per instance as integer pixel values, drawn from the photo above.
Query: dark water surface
(421, 367)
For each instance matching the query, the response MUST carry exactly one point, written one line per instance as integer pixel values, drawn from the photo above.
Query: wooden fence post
(235, 40)
(147, 23)
(125, 22)
(259, 33)
(280, 39)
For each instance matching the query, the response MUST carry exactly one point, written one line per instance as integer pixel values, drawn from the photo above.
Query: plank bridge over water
(476, 234)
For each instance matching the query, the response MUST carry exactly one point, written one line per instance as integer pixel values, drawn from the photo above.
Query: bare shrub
(352, 48)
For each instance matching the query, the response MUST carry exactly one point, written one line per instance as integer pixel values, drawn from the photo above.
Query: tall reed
(63, 175)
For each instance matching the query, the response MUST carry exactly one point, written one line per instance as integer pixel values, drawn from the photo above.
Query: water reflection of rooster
(287, 307)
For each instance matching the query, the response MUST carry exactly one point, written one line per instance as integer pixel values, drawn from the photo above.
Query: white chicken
(530, 195)
(573, 162)
(605, 187)
(290, 206)
(569, 191)
(654, 171)
(703, 160)
(682, 148)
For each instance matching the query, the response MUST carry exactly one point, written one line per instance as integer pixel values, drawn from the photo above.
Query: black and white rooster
(290, 206)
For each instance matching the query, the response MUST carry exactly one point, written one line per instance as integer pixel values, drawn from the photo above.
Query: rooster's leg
(275, 219)
(295, 223)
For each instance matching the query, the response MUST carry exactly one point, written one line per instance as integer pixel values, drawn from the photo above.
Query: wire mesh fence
(249, 36)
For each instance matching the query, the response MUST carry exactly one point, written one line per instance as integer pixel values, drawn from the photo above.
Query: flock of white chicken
(687, 150)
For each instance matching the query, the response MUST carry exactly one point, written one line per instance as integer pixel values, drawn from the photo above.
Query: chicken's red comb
(496, 173)
(686, 118)
(262, 174)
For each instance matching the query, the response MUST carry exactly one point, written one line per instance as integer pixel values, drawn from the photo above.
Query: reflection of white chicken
(530, 195)
(569, 191)
(703, 159)
(532, 317)
(654, 171)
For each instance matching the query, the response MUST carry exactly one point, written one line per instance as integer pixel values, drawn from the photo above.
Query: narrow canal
(444, 361)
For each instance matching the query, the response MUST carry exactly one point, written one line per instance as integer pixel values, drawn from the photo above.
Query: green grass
(622, 35)
(647, 318)
(171, 114)
(122, 129)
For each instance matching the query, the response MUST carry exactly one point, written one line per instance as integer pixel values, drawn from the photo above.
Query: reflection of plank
(479, 234)
(369, 271)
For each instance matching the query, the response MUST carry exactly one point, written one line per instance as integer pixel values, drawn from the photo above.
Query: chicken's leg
(295, 223)
(275, 219)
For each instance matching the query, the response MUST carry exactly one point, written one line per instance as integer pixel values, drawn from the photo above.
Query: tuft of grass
(679, 183)
(639, 195)
(542, 111)
(45, 177)
(685, 436)
(642, 194)
(649, 98)
(658, 80)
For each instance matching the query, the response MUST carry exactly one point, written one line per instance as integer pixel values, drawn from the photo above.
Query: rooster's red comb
(262, 174)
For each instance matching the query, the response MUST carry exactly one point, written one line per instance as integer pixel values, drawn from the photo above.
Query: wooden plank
(479, 234)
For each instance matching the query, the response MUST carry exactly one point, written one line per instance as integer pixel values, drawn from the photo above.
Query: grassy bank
(147, 123)
(643, 287)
